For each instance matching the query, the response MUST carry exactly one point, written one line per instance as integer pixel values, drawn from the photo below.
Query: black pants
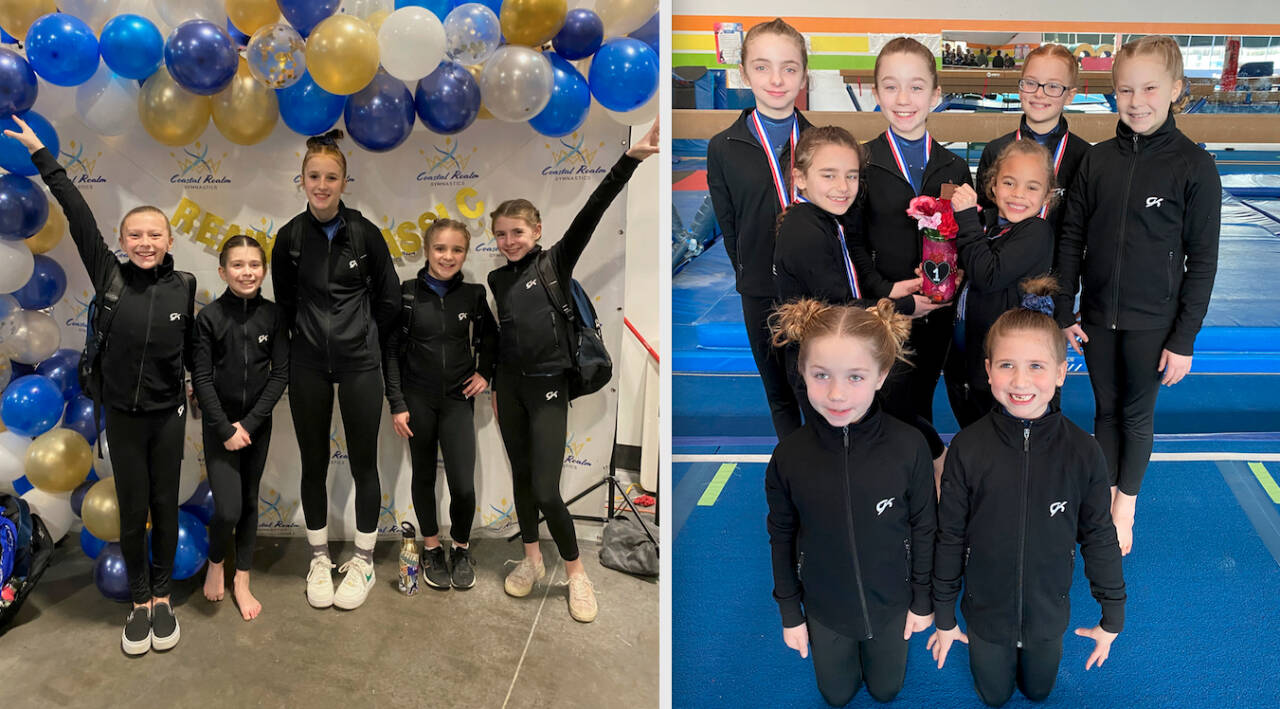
(234, 478)
(997, 668)
(1122, 369)
(311, 404)
(908, 392)
(533, 413)
(842, 664)
(449, 424)
(783, 406)
(146, 454)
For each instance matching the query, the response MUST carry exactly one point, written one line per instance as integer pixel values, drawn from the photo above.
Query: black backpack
(592, 367)
(25, 551)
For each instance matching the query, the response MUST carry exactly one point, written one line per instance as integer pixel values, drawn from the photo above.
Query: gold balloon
(375, 19)
(100, 510)
(246, 111)
(250, 15)
(50, 234)
(532, 22)
(58, 460)
(342, 54)
(16, 16)
(170, 113)
(476, 70)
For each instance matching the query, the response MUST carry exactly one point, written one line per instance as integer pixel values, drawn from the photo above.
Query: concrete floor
(474, 648)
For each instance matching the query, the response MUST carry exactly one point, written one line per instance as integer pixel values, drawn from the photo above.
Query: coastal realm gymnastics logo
(197, 170)
(80, 165)
(573, 451)
(484, 242)
(448, 165)
(572, 159)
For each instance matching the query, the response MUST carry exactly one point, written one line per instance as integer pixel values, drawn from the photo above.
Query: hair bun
(791, 321)
(328, 139)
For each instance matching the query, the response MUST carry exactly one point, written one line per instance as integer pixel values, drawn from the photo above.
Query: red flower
(948, 227)
(922, 206)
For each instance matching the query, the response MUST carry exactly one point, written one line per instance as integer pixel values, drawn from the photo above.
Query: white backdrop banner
(213, 188)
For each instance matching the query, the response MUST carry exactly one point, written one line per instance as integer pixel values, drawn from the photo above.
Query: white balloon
(108, 103)
(16, 265)
(412, 43)
(54, 510)
(13, 455)
(623, 16)
(95, 13)
(516, 83)
(175, 12)
(38, 336)
(641, 116)
(102, 466)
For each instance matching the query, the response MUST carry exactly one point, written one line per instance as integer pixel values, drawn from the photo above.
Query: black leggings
(842, 663)
(234, 478)
(908, 392)
(311, 403)
(449, 424)
(997, 668)
(533, 413)
(783, 406)
(1122, 369)
(146, 454)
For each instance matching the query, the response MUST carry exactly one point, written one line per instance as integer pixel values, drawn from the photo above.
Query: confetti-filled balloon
(277, 55)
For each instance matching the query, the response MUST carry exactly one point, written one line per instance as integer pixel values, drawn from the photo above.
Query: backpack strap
(358, 248)
(551, 284)
(189, 281)
(408, 294)
(106, 310)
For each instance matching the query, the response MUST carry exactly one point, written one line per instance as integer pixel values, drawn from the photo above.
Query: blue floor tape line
(1262, 512)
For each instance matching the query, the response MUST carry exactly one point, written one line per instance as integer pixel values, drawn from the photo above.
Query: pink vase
(938, 265)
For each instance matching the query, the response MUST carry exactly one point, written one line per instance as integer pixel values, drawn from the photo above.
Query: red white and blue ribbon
(844, 251)
(779, 181)
(1057, 161)
(902, 164)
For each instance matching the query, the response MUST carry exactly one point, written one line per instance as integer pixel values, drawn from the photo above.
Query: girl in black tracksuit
(439, 357)
(241, 367)
(1020, 488)
(851, 510)
(1140, 244)
(140, 382)
(337, 285)
(533, 353)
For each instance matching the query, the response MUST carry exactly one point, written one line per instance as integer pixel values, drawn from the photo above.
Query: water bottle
(408, 559)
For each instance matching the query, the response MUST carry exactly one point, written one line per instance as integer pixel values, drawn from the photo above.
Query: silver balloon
(516, 83)
(37, 337)
(108, 103)
(364, 8)
(472, 33)
(175, 12)
(10, 310)
(16, 265)
(95, 13)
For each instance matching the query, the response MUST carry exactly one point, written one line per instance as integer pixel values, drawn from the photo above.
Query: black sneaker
(435, 569)
(464, 572)
(164, 627)
(136, 639)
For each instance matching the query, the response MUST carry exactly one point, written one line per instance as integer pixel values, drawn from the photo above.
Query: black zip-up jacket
(993, 270)
(533, 335)
(889, 240)
(439, 356)
(1076, 148)
(1017, 495)
(852, 517)
(746, 201)
(336, 322)
(151, 335)
(1140, 238)
(808, 263)
(241, 362)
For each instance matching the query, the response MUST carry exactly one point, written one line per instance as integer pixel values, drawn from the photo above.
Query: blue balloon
(77, 495)
(193, 546)
(581, 35)
(201, 502)
(20, 369)
(23, 210)
(380, 116)
(447, 99)
(18, 85)
(6, 38)
(62, 49)
(495, 5)
(32, 405)
(45, 287)
(440, 8)
(131, 46)
(624, 74)
(78, 416)
(570, 100)
(62, 368)
(109, 573)
(91, 545)
(200, 57)
(13, 156)
(648, 33)
(239, 38)
(308, 109)
(304, 15)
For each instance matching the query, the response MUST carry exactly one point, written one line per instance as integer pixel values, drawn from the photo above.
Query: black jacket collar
(148, 275)
(346, 215)
(1054, 135)
(859, 431)
(233, 300)
(1011, 429)
(450, 285)
(741, 128)
(882, 155)
(1130, 140)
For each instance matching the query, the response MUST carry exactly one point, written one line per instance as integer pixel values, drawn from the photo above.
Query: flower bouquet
(937, 222)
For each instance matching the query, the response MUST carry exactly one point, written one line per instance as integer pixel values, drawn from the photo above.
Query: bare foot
(214, 582)
(1122, 514)
(249, 606)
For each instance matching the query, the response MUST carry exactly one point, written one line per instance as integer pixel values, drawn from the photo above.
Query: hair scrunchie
(1038, 303)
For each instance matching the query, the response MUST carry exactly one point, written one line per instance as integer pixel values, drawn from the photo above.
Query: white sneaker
(320, 582)
(355, 587)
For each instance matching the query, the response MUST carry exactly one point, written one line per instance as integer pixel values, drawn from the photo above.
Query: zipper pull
(846, 438)
(1026, 438)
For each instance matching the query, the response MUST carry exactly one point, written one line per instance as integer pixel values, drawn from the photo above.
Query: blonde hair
(145, 209)
(1165, 49)
(1059, 52)
(907, 45)
(326, 145)
(445, 223)
(517, 209)
(779, 27)
(1026, 146)
(1024, 319)
(879, 327)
